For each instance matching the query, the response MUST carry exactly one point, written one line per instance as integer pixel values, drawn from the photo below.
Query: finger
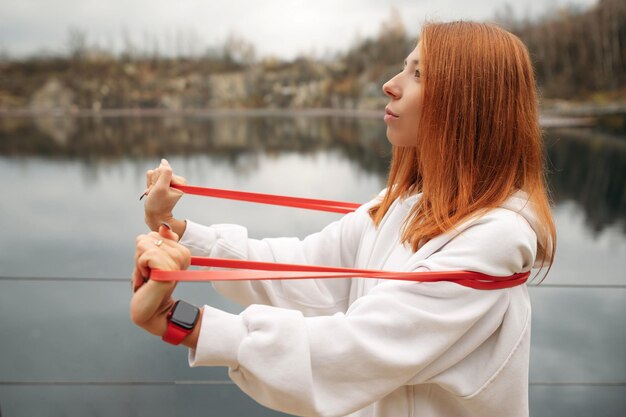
(168, 240)
(166, 231)
(146, 242)
(149, 174)
(137, 279)
(164, 176)
(155, 176)
(177, 179)
(143, 262)
(160, 260)
(145, 252)
(168, 251)
(142, 272)
(169, 237)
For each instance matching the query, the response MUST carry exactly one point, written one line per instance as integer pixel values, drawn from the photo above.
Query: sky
(280, 28)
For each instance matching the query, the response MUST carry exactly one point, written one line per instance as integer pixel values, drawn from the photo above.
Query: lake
(70, 212)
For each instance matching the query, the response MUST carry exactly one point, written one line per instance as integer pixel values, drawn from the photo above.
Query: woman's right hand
(153, 299)
(160, 198)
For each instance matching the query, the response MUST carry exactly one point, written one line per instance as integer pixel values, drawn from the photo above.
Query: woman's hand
(153, 299)
(160, 197)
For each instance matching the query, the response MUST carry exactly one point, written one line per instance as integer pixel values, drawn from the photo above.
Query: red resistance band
(253, 270)
(275, 200)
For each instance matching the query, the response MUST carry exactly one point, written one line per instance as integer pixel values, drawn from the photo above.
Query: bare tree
(77, 43)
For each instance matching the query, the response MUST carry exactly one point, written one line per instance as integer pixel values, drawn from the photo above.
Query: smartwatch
(180, 322)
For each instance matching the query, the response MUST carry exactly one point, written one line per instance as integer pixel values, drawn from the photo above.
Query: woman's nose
(391, 89)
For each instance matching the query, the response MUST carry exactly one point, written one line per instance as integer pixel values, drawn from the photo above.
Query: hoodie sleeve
(399, 333)
(335, 245)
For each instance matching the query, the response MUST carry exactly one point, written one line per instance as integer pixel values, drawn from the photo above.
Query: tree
(77, 43)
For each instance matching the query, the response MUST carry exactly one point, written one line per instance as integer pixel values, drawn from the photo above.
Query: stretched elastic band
(254, 270)
(276, 200)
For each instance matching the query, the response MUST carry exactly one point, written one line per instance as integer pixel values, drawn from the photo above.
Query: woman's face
(405, 91)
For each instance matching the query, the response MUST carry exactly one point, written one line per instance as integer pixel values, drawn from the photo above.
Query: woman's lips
(389, 115)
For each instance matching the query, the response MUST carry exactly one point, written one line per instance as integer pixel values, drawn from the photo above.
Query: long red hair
(479, 138)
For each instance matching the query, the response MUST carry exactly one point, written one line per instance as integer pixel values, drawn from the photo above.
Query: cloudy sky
(282, 28)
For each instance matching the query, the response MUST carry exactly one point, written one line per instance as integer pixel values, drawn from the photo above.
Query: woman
(465, 191)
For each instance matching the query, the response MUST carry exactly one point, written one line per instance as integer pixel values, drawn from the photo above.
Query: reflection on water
(228, 137)
(72, 210)
(590, 169)
(586, 167)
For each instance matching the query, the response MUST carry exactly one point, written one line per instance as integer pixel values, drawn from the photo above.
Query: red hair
(479, 138)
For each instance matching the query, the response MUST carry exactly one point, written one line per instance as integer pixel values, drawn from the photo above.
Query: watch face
(184, 315)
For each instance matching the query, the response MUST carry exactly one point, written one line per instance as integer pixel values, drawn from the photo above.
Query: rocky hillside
(578, 54)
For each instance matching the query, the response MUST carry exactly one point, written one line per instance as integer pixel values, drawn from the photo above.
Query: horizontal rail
(116, 383)
(226, 382)
(127, 280)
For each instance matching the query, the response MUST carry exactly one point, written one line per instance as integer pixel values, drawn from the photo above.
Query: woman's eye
(417, 73)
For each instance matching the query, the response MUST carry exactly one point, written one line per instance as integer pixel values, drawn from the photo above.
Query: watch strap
(174, 333)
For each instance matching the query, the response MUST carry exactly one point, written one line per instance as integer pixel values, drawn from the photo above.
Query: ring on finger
(158, 242)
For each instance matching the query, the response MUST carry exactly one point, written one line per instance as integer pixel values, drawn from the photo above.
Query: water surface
(71, 210)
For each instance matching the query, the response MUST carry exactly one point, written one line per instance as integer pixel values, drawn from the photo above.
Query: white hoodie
(369, 347)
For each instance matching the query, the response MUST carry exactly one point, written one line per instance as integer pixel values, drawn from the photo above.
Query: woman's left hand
(152, 299)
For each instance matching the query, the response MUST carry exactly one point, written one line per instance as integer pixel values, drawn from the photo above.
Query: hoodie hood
(520, 204)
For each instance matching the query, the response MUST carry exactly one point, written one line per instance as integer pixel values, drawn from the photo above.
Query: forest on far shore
(578, 54)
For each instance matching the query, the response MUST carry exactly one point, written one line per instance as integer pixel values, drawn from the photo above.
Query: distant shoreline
(547, 120)
(160, 112)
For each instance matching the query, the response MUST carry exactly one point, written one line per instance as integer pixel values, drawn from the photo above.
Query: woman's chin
(395, 141)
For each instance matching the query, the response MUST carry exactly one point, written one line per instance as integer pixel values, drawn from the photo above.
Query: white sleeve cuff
(220, 335)
(198, 239)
